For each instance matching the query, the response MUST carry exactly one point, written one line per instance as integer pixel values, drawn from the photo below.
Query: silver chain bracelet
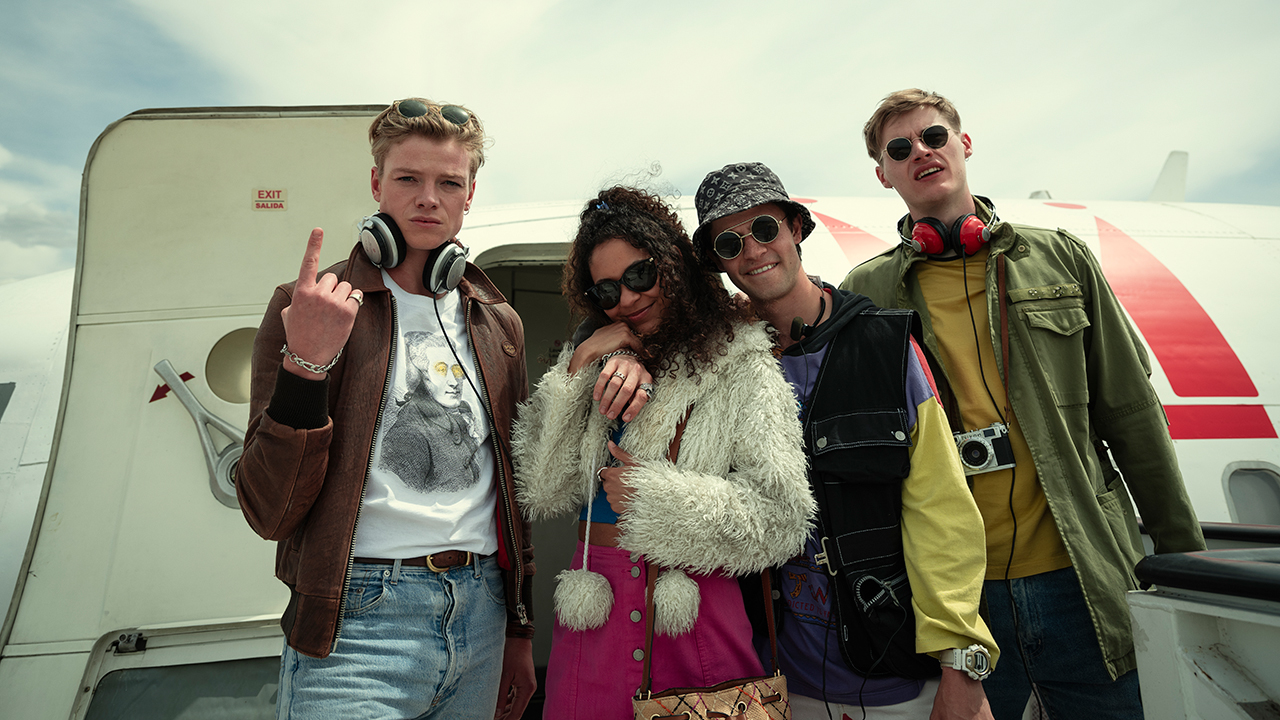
(622, 351)
(309, 366)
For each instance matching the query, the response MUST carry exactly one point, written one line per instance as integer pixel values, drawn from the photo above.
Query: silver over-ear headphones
(382, 240)
(384, 245)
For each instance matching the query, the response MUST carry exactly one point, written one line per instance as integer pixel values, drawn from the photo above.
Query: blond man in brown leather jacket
(410, 597)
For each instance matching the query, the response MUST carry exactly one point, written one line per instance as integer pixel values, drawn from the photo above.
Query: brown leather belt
(438, 562)
(605, 534)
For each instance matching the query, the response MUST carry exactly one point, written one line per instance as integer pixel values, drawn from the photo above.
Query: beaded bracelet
(309, 366)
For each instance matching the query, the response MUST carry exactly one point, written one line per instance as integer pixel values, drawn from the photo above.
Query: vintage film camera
(985, 450)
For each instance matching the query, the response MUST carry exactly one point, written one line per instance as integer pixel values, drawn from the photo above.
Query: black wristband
(298, 402)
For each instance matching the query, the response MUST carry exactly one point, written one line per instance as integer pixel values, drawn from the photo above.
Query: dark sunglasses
(935, 136)
(639, 276)
(416, 108)
(764, 228)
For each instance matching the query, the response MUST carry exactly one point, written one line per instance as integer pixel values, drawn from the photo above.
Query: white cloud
(32, 225)
(1084, 99)
(18, 262)
(296, 52)
(38, 216)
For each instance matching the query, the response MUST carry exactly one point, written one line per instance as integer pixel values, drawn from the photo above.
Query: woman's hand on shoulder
(606, 339)
(617, 388)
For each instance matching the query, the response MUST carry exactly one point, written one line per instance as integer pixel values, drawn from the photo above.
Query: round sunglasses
(764, 228)
(935, 136)
(416, 108)
(639, 276)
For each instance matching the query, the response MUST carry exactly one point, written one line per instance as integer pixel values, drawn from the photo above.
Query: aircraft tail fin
(1171, 186)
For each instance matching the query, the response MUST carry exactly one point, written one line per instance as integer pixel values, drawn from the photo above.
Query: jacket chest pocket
(859, 461)
(1058, 330)
(861, 446)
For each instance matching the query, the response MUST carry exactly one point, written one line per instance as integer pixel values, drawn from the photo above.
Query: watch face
(977, 662)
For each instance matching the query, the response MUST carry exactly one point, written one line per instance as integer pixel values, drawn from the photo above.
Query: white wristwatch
(974, 660)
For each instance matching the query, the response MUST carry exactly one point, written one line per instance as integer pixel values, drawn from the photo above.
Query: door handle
(221, 462)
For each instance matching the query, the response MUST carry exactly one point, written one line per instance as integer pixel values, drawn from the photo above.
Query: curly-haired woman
(735, 501)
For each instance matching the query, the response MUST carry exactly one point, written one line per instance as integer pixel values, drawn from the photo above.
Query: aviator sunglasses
(416, 108)
(728, 244)
(639, 276)
(935, 136)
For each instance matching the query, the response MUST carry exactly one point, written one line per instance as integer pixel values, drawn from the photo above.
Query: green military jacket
(1078, 374)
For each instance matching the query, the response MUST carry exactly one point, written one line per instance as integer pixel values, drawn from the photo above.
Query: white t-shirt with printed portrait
(431, 477)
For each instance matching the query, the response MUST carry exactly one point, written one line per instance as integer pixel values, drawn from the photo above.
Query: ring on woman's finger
(649, 389)
(620, 375)
(358, 297)
(599, 477)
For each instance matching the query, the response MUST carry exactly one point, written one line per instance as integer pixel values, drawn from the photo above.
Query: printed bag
(763, 698)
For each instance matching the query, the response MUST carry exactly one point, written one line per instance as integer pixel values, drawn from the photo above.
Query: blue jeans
(1060, 650)
(414, 644)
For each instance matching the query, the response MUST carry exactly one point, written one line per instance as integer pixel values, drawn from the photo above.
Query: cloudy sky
(1084, 99)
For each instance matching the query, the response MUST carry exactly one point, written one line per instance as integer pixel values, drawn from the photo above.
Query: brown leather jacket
(306, 457)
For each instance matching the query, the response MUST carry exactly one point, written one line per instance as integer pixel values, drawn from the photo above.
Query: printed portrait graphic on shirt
(433, 441)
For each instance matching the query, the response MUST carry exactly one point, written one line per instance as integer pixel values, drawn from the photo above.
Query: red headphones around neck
(966, 235)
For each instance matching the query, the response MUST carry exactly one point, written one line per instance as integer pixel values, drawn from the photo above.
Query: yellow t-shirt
(1039, 547)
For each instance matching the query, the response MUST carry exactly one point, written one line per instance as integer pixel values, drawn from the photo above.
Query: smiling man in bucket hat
(893, 573)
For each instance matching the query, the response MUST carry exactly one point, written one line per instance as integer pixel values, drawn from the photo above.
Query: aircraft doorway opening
(532, 286)
(534, 292)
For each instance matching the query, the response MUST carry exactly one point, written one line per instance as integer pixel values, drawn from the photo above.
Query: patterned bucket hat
(738, 187)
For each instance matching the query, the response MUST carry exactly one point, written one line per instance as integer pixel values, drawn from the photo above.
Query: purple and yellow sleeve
(942, 530)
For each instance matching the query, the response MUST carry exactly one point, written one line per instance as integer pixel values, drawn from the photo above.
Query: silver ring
(620, 375)
(358, 297)
(599, 478)
(649, 389)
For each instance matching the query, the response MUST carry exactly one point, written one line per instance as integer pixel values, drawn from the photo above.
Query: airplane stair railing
(1205, 639)
(221, 462)
(1241, 572)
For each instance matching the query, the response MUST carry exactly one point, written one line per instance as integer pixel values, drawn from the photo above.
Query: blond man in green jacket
(1042, 391)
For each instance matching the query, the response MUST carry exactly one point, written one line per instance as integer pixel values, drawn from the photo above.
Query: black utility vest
(858, 442)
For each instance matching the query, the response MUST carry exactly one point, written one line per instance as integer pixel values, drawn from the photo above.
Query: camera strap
(1004, 337)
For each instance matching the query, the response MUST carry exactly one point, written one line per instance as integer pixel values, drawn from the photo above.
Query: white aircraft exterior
(141, 575)
(32, 353)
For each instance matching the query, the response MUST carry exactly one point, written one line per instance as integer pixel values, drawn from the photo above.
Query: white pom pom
(675, 601)
(583, 599)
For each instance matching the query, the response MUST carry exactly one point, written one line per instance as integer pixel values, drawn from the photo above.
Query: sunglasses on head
(935, 136)
(639, 276)
(416, 108)
(764, 228)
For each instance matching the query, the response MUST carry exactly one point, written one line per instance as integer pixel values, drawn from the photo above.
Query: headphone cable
(1013, 475)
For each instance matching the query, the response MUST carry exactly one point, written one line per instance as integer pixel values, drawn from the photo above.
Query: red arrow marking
(1195, 357)
(856, 244)
(163, 390)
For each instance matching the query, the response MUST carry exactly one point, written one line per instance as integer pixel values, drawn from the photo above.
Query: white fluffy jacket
(737, 499)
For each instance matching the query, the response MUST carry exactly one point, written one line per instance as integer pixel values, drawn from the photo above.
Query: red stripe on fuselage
(1195, 356)
(1218, 422)
(856, 244)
